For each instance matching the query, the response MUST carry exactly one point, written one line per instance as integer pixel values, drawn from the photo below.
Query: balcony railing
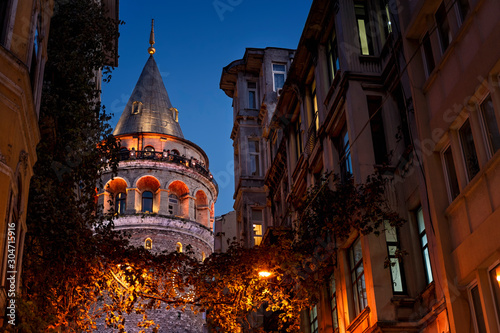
(168, 157)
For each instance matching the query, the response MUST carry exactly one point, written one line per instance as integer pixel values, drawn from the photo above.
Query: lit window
(344, 151)
(203, 256)
(333, 303)
(357, 277)
(257, 221)
(451, 174)
(424, 245)
(477, 310)
(120, 203)
(279, 75)
(469, 150)
(136, 107)
(178, 247)
(173, 204)
(495, 284)
(254, 155)
(363, 24)
(397, 272)
(386, 17)
(252, 95)
(332, 56)
(148, 244)
(428, 55)
(490, 124)
(314, 107)
(147, 202)
(313, 319)
(443, 27)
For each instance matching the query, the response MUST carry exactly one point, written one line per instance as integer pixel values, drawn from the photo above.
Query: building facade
(23, 53)
(163, 194)
(407, 89)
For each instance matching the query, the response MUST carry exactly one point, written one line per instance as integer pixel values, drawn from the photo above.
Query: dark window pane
(443, 27)
(491, 124)
(377, 129)
(469, 150)
(429, 57)
(120, 203)
(147, 201)
(478, 310)
(451, 173)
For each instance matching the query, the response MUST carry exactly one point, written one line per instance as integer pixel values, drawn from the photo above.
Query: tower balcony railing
(168, 157)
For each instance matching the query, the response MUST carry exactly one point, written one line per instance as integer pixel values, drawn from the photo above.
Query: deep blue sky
(194, 41)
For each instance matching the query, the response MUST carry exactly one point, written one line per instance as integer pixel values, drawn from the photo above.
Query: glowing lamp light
(265, 274)
(498, 278)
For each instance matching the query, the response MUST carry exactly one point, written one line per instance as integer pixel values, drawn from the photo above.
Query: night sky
(194, 41)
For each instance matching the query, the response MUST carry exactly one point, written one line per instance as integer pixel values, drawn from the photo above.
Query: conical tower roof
(149, 109)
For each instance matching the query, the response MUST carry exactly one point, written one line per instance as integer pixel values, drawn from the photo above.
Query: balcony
(167, 157)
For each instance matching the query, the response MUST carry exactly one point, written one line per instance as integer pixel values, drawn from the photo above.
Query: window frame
(251, 90)
(254, 157)
(426, 258)
(357, 278)
(147, 198)
(427, 54)
(332, 57)
(332, 288)
(365, 17)
(469, 172)
(446, 170)
(173, 204)
(278, 72)
(120, 203)
(313, 319)
(394, 245)
(488, 141)
(257, 237)
(442, 22)
(472, 306)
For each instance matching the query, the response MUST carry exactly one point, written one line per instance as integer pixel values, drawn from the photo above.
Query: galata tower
(164, 193)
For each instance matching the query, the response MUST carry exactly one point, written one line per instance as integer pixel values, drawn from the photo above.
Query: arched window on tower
(149, 152)
(136, 107)
(120, 203)
(178, 247)
(173, 204)
(175, 152)
(147, 201)
(148, 244)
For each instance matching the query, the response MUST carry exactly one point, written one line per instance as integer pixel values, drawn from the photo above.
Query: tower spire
(151, 49)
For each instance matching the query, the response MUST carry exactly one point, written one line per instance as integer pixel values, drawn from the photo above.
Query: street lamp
(265, 274)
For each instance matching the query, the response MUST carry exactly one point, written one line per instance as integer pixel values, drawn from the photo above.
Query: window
(469, 150)
(313, 319)
(279, 76)
(178, 247)
(314, 107)
(333, 302)
(254, 155)
(35, 56)
(124, 154)
(490, 124)
(173, 204)
(149, 152)
(357, 276)
(175, 152)
(443, 27)
(257, 221)
(428, 55)
(4, 6)
(148, 244)
(120, 203)
(424, 245)
(495, 286)
(298, 137)
(344, 155)
(363, 24)
(252, 95)
(332, 56)
(451, 173)
(136, 107)
(147, 202)
(377, 129)
(477, 309)
(463, 9)
(386, 17)
(397, 271)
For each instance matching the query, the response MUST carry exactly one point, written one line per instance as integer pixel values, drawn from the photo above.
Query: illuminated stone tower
(164, 193)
